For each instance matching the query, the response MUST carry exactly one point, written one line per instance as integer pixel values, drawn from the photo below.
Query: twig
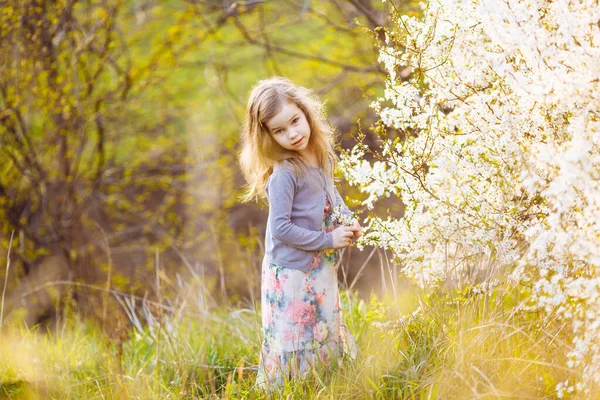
(6, 279)
(361, 268)
(160, 316)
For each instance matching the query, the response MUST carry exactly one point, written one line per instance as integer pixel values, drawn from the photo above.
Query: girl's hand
(358, 232)
(342, 236)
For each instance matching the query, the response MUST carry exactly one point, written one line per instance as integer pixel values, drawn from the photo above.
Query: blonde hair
(260, 152)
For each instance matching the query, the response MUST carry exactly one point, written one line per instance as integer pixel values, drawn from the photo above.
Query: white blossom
(501, 156)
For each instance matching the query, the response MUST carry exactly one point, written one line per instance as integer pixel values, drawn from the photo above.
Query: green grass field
(417, 345)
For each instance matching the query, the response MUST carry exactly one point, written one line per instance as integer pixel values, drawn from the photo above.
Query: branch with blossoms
(493, 147)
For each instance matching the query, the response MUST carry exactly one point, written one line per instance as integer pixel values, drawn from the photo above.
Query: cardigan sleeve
(280, 193)
(340, 201)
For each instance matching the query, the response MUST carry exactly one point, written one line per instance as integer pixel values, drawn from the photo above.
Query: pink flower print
(268, 315)
(304, 313)
(277, 284)
(320, 298)
(272, 363)
(308, 315)
(324, 354)
(315, 262)
(320, 331)
(290, 336)
(308, 288)
(270, 277)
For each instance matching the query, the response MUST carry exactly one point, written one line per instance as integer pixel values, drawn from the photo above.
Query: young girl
(287, 156)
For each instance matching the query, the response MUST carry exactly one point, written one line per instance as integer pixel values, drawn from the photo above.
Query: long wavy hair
(259, 151)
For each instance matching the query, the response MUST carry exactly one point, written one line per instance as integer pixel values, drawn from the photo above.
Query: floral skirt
(301, 317)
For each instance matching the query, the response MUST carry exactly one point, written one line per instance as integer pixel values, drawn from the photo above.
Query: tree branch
(347, 67)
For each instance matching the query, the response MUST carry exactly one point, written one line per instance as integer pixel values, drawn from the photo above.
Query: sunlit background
(120, 127)
(130, 268)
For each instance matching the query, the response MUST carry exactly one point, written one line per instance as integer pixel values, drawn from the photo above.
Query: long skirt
(302, 322)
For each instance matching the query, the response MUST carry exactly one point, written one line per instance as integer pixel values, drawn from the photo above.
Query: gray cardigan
(296, 204)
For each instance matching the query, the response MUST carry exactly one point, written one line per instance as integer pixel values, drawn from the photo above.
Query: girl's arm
(338, 199)
(280, 192)
(346, 211)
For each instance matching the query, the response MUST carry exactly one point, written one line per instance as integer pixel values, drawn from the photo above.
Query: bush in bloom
(492, 144)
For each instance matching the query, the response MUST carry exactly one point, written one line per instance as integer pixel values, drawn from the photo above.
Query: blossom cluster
(500, 153)
(401, 323)
(341, 218)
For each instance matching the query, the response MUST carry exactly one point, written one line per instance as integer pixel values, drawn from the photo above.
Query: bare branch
(347, 67)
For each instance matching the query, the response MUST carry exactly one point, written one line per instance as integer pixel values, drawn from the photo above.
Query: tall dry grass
(415, 343)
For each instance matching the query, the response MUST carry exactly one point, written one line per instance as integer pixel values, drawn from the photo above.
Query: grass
(420, 345)
(438, 343)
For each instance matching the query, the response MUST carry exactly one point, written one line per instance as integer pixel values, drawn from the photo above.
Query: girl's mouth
(298, 142)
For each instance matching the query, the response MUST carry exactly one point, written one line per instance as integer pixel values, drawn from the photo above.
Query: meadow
(416, 344)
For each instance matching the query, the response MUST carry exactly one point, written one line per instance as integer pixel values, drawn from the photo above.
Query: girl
(287, 156)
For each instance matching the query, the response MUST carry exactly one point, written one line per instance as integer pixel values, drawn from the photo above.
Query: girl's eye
(294, 121)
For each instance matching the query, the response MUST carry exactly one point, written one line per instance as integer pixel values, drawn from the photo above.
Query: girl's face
(290, 128)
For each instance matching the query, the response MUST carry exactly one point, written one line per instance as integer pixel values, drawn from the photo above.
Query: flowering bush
(495, 153)
(341, 218)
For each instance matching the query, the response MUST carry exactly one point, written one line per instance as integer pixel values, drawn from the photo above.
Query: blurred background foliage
(119, 123)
